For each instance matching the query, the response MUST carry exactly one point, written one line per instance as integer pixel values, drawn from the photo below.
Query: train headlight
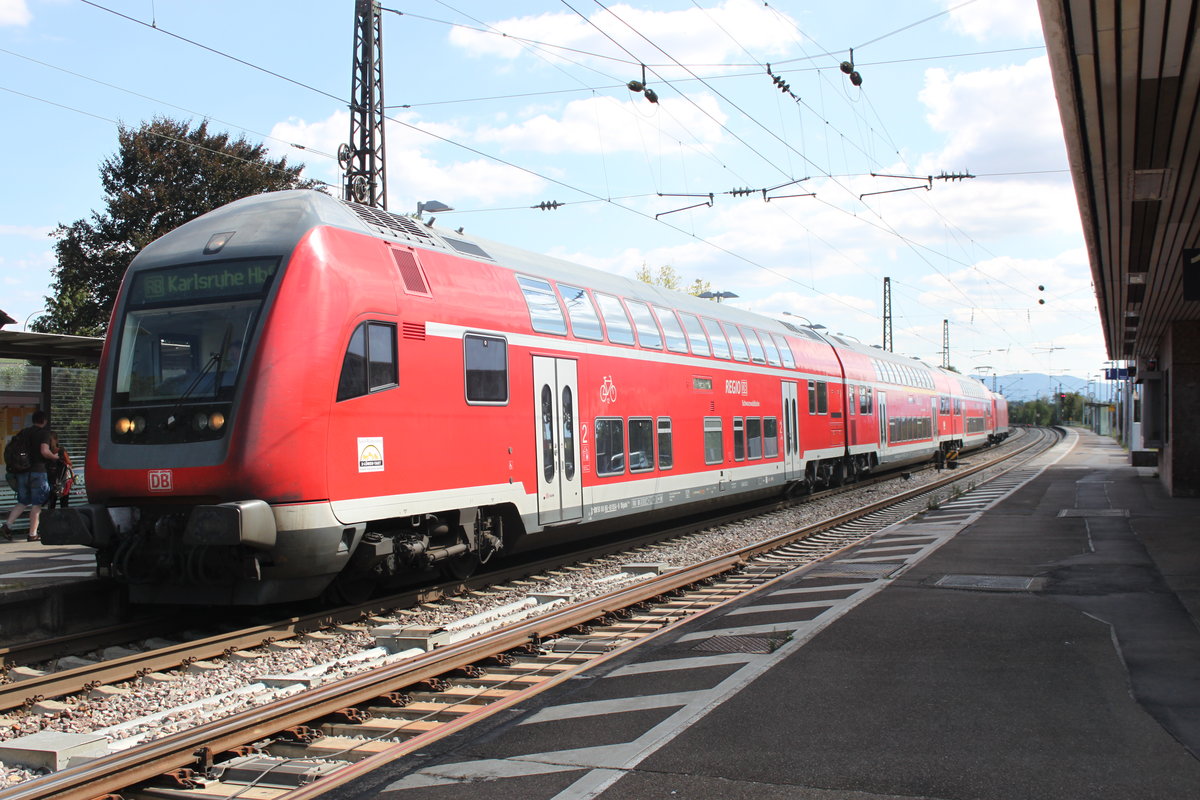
(200, 421)
(138, 424)
(123, 426)
(216, 420)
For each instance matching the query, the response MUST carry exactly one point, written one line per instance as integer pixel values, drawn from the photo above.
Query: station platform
(48, 591)
(1038, 640)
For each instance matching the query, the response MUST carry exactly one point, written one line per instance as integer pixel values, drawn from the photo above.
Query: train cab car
(301, 395)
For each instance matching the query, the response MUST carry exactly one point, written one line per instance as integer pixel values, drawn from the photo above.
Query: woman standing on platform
(60, 475)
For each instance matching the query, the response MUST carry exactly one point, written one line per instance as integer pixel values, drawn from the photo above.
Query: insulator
(856, 79)
(651, 95)
(548, 205)
(636, 86)
(847, 67)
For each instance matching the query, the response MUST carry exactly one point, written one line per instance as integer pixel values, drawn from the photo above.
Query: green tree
(668, 278)
(164, 174)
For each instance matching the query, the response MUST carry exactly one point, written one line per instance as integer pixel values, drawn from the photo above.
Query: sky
(495, 108)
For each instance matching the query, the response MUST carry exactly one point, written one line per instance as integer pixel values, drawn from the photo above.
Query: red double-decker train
(300, 395)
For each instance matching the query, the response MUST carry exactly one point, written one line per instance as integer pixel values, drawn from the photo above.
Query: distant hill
(1032, 385)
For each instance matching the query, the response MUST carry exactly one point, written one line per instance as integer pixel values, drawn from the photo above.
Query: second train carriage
(298, 392)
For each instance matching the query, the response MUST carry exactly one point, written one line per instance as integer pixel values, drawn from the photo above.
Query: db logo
(160, 480)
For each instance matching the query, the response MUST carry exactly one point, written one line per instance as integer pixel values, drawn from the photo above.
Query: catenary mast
(365, 172)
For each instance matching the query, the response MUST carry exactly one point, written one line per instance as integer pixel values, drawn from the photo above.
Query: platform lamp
(807, 322)
(715, 295)
(435, 206)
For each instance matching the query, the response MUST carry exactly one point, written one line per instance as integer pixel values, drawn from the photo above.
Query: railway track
(27, 687)
(334, 731)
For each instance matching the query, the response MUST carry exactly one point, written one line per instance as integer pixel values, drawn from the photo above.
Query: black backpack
(18, 455)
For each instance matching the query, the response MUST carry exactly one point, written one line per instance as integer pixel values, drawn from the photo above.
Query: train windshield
(186, 331)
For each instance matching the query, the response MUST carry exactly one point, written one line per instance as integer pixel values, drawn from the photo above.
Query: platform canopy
(50, 347)
(1127, 77)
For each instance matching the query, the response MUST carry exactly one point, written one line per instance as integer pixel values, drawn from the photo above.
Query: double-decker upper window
(544, 312)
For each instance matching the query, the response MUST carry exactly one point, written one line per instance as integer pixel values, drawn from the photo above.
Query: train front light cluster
(125, 425)
(208, 421)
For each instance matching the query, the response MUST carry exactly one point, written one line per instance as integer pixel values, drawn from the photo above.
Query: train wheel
(350, 588)
(460, 567)
(838, 477)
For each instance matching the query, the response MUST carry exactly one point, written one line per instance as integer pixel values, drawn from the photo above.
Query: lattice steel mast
(887, 314)
(946, 343)
(363, 160)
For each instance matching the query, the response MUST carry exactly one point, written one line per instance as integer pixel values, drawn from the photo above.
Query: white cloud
(690, 36)
(603, 125)
(412, 173)
(14, 12)
(995, 120)
(992, 20)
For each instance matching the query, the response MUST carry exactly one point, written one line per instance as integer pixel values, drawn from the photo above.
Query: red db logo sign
(160, 480)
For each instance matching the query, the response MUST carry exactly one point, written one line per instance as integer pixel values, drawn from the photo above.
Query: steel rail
(118, 771)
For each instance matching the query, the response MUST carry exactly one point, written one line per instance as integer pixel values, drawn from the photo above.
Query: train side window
(714, 445)
(616, 321)
(695, 334)
(585, 322)
(647, 329)
(720, 344)
(770, 437)
(610, 446)
(769, 346)
(666, 455)
(381, 356)
(486, 362)
(756, 349)
(370, 361)
(812, 397)
(851, 404)
(641, 444)
(353, 382)
(739, 439)
(754, 444)
(785, 351)
(740, 353)
(676, 342)
(545, 314)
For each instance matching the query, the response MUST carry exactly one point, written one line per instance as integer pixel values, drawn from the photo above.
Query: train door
(793, 464)
(556, 392)
(881, 411)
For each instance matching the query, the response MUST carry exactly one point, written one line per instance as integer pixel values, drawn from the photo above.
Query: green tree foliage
(1054, 410)
(668, 278)
(164, 174)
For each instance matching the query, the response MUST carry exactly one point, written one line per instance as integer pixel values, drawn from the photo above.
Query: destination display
(212, 281)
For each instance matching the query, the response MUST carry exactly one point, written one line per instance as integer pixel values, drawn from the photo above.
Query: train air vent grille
(470, 248)
(392, 224)
(410, 272)
(414, 331)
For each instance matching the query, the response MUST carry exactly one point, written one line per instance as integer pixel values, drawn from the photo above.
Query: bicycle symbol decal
(608, 391)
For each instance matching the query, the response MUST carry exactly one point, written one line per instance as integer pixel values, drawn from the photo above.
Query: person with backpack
(33, 486)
